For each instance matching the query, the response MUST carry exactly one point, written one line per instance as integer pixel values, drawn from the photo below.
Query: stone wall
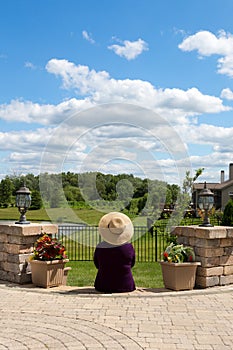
(213, 247)
(16, 245)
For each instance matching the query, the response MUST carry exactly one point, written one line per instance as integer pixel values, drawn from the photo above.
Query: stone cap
(28, 229)
(203, 232)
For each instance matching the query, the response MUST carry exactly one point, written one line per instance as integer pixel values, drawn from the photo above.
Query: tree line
(82, 190)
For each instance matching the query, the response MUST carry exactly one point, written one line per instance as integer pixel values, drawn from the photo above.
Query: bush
(227, 219)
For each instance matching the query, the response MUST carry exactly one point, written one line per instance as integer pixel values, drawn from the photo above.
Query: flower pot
(48, 273)
(179, 276)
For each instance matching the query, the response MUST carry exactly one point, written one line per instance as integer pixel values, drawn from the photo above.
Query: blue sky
(142, 87)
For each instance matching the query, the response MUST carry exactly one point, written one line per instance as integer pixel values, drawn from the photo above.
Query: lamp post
(206, 202)
(23, 202)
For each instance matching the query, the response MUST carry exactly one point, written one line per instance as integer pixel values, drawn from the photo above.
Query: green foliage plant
(227, 219)
(178, 253)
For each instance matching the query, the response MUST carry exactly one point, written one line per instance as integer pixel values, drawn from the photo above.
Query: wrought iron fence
(80, 241)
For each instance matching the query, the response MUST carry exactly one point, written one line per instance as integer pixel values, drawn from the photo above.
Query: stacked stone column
(213, 247)
(16, 245)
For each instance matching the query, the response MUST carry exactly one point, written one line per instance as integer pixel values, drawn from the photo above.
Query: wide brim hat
(116, 228)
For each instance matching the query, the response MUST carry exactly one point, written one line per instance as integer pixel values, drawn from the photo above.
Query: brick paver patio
(80, 319)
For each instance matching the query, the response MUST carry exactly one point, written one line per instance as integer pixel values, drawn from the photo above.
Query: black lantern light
(206, 202)
(23, 202)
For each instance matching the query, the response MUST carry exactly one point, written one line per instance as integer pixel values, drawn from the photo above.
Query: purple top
(114, 268)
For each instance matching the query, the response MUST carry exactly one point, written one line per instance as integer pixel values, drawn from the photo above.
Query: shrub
(227, 219)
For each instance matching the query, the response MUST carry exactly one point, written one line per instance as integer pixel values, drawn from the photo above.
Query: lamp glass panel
(23, 200)
(200, 203)
(206, 202)
(211, 202)
(28, 200)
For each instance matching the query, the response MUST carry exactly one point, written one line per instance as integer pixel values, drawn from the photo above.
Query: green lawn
(33, 215)
(88, 216)
(147, 275)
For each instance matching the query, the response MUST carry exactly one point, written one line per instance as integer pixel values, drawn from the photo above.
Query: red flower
(47, 248)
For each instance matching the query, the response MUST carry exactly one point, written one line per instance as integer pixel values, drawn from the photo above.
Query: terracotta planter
(49, 273)
(179, 276)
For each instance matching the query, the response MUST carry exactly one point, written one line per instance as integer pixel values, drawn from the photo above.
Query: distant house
(222, 190)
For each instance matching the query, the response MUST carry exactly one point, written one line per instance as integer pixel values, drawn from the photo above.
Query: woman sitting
(114, 257)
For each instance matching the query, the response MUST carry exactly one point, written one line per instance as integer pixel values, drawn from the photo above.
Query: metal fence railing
(80, 240)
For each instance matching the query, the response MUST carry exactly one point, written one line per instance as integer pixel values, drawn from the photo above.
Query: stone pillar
(16, 245)
(213, 247)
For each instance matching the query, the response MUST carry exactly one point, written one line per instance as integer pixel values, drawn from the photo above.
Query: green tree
(142, 202)
(31, 181)
(100, 185)
(51, 190)
(36, 202)
(6, 189)
(189, 180)
(124, 190)
(174, 191)
(184, 198)
(141, 187)
(227, 219)
(72, 194)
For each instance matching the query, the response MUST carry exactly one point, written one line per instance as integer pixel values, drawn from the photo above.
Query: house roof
(213, 186)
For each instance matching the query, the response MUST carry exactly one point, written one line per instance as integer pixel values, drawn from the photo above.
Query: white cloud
(214, 138)
(47, 114)
(227, 94)
(207, 44)
(213, 148)
(30, 65)
(87, 36)
(150, 151)
(79, 77)
(24, 140)
(175, 105)
(137, 132)
(101, 88)
(129, 49)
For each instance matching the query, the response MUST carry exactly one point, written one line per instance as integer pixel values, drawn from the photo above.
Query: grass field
(88, 216)
(33, 215)
(146, 275)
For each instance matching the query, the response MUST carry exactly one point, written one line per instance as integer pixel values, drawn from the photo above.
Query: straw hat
(116, 228)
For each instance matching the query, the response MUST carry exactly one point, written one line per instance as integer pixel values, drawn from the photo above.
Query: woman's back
(114, 265)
